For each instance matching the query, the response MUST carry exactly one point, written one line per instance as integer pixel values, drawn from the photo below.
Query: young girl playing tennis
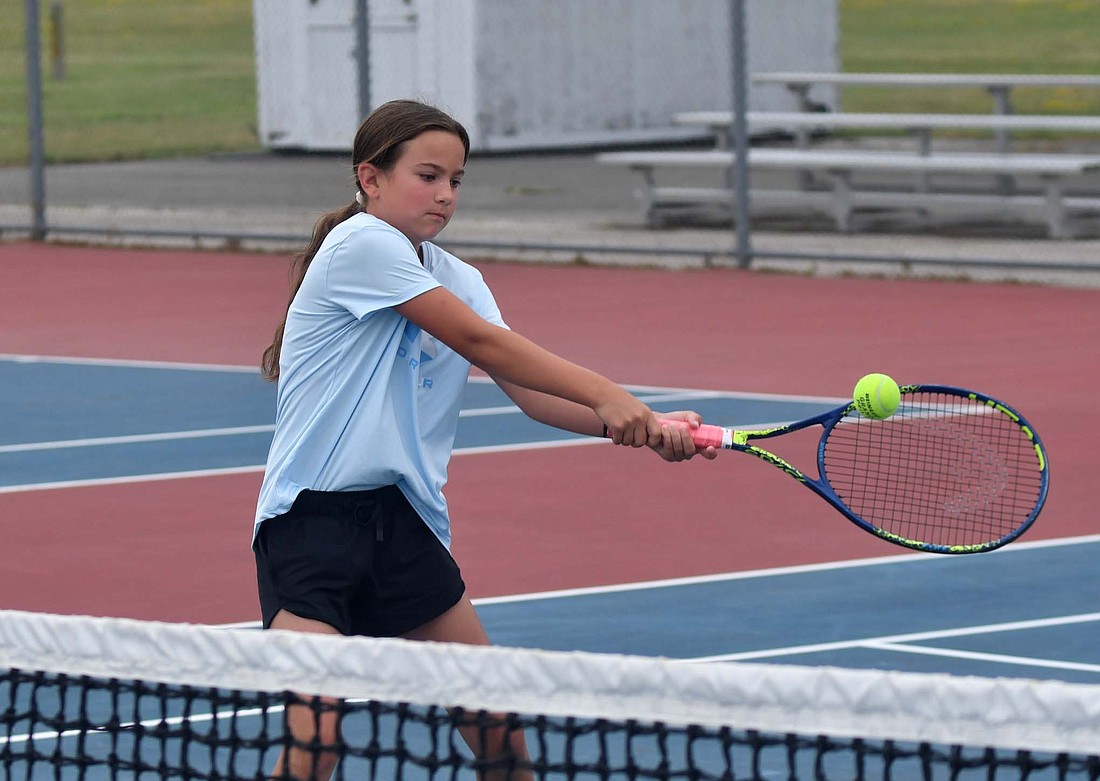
(352, 533)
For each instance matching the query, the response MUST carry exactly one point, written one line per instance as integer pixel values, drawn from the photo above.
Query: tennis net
(94, 698)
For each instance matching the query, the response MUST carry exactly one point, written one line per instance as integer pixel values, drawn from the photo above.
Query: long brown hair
(379, 141)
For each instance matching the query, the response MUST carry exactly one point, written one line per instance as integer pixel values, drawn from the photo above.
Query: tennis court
(133, 428)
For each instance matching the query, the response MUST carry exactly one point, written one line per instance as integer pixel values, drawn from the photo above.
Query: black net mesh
(60, 725)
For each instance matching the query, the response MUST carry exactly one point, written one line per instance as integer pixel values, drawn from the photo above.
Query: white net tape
(872, 704)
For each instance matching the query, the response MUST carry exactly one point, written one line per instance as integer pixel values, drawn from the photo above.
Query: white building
(524, 74)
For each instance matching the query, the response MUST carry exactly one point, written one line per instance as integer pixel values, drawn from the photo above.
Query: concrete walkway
(534, 207)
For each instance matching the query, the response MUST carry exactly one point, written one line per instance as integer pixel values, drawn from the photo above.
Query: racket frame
(742, 439)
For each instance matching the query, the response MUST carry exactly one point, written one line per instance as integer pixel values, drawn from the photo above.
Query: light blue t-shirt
(366, 398)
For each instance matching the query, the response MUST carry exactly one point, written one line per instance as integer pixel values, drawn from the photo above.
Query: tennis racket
(951, 471)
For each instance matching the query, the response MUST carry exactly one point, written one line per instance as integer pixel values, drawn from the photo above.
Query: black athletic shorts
(363, 562)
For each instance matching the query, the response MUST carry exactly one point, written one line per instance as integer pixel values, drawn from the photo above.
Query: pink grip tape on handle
(704, 436)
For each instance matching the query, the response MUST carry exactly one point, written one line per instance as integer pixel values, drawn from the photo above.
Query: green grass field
(971, 36)
(153, 78)
(143, 78)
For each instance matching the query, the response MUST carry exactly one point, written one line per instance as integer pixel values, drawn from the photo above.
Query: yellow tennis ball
(876, 396)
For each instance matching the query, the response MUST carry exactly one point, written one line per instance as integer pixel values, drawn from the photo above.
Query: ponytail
(269, 364)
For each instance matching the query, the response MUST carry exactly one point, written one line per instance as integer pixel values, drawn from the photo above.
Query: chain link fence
(229, 122)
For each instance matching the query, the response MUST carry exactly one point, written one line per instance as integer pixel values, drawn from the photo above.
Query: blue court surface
(64, 422)
(1029, 610)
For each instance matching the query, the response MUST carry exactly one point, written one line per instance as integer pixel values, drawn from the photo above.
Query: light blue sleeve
(466, 282)
(375, 268)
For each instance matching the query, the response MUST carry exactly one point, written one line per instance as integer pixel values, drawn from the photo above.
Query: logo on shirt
(428, 347)
(416, 356)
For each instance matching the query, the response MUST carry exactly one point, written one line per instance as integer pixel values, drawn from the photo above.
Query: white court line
(171, 436)
(129, 364)
(475, 378)
(1016, 547)
(512, 409)
(889, 642)
(1028, 661)
(871, 642)
(477, 412)
(126, 479)
(693, 580)
(669, 394)
(194, 718)
(128, 439)
(237, 470)
(706, 393)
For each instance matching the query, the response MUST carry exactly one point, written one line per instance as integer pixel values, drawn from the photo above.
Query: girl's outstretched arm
(676, 443)
(512, 358)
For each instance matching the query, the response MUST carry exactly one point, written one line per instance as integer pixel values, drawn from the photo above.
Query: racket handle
(706, 435)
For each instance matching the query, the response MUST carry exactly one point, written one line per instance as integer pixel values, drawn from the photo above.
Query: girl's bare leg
(461, 624)
(315, 721)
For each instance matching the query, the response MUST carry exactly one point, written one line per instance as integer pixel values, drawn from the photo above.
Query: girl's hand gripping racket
(951, 471)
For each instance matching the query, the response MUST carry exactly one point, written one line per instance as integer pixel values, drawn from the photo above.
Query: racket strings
(943, 470)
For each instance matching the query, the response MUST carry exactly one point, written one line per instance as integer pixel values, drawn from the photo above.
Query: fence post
(739, 134)
(362, 54)
(34, 122)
